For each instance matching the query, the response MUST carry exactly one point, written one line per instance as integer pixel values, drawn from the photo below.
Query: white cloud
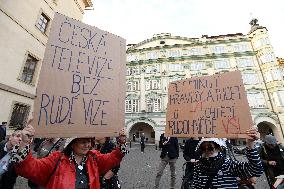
(137, 20)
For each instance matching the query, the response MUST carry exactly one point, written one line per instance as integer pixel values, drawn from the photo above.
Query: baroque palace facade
(153, 63)
(24, 31)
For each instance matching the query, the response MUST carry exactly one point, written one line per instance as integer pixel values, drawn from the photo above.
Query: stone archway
(266, 128)
(142, 127)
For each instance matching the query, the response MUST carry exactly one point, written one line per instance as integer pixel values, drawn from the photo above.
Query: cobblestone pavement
(138, 171)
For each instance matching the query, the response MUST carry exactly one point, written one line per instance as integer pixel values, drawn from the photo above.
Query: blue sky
(136, 20)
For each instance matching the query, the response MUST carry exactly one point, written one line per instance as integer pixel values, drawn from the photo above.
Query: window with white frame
(195, 51)
(241, 47)
(153, 84)
(131, 105)
(154, 105)
(132, 85)
(132, 57)
(250, 78)
(256, 100)
(218, 49)
(261, 42)
(175, 67)
(267, 58)
(245, 62)
(172, 79)
(197, 66)
(268, 76)
(278, 98)
(174, 53)
(43, 22)
(152, 55)
(152, 69)
(276, 75)
(132, 71)
(222, 64)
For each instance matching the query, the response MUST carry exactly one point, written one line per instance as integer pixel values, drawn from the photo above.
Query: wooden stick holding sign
(81, 88)
(210, 106)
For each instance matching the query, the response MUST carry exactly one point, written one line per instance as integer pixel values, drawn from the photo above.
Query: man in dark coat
(190, 155)
(8, 178)
(272, 159)
(169, 155)
(142, 142)
(3, 131)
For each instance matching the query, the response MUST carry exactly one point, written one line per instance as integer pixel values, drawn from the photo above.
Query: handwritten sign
(210, 106)
(81, 88)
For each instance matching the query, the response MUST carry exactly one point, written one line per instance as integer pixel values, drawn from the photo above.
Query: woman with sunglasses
(214, 170)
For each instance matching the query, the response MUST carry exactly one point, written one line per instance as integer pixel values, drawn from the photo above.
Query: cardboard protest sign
(81, 88)
(210, 106)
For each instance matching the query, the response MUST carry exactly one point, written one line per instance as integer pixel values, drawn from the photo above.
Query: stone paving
(138, 171)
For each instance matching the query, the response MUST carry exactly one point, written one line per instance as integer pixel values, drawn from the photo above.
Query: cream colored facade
(155, 62)
(22, 40)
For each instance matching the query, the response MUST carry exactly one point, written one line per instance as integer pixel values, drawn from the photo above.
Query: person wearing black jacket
(169, 155)
(8, 178)
(110, 179)
(190, 155)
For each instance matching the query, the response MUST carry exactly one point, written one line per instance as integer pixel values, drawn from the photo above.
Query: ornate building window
(154, 105)
(131, 105)
(256, 100)
(195, 51)
(261, 42)
(175, 67)
(19, 115)
(222, 64)
(153, 84)
(250, 78)
(245, 62)
(132, 85)
(267, 58)
(29, 69)
(278, 98)
(218, 49)
(152, 55)
(132, 71)
(132, 57)
(195, 66)
(152, 69)
(174, 53)
(273, 75)
(241, 47)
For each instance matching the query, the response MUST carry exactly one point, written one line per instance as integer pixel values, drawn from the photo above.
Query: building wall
(19, 37)
(166, 58)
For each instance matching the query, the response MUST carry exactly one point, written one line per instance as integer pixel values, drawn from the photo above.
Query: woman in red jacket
(76, 167)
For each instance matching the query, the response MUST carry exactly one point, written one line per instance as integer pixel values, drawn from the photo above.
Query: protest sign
(81, 87)
(210, 106)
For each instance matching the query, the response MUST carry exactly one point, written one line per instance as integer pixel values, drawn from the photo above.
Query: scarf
(210, 165)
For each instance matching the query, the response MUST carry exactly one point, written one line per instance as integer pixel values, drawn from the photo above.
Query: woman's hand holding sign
(254, 135)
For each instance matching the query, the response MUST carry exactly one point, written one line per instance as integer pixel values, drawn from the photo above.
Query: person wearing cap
(214, 170)
(272, 159)
(75, 167)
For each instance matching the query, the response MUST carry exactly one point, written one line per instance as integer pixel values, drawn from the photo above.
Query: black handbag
(112, 183)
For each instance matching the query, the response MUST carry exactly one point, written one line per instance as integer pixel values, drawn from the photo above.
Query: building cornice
(192, 57)
(16, 91)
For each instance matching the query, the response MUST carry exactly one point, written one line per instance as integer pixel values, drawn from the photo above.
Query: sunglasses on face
(207, 147)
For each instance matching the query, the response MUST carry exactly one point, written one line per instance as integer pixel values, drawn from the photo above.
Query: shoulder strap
(56, 165)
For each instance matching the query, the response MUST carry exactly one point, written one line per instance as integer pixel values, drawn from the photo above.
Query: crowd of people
(94, 162)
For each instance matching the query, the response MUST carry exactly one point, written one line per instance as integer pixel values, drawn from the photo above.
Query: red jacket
(39, 170)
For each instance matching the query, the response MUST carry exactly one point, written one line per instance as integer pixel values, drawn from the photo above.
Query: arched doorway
(266, 128)
(141, 127)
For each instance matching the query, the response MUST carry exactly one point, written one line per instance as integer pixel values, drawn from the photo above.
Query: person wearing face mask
(75, 167)
(7, 171)
(272, 159)
(214, 170)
